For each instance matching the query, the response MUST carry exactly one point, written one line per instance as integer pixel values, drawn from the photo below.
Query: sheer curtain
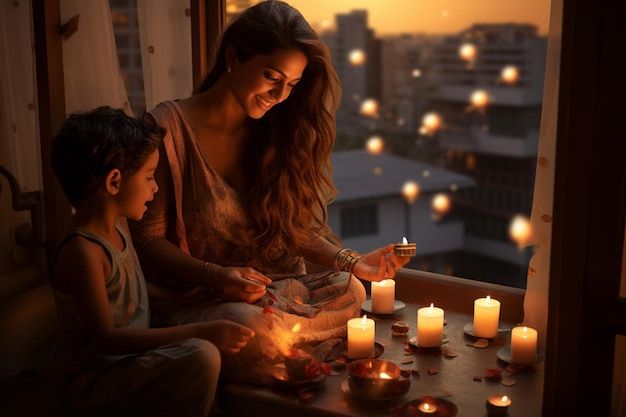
(91, 69)
(19, 132)
(165, 33)
(536, 299)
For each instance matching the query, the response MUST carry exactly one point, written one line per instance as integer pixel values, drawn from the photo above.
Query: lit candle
(497, 405)
(523, 345)
(405, 248)
(383, 296)
(486, 317)
(361, 335)
(427, 409)
(430, 326)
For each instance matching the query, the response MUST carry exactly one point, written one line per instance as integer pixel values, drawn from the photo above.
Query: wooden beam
(207, 20)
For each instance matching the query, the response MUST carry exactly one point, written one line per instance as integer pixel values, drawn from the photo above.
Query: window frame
(587, 242)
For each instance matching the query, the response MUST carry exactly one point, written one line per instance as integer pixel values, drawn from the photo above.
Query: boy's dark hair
(90, 144)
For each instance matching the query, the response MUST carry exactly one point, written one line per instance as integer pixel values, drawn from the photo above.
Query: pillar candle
(523, 345)
(361, 335)
(383, 296)
(486, 317)
(430, 326)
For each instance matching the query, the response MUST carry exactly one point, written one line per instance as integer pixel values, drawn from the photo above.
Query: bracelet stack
(345, 260)
(208, 268)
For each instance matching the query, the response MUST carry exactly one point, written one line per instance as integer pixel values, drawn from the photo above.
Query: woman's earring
(228, 69)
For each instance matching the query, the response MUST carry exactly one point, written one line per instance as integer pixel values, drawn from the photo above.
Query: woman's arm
(376, 265)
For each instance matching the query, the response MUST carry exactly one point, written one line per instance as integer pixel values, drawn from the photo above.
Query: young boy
(115, 363)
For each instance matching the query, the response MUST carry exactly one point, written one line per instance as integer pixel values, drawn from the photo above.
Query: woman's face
(263, 81)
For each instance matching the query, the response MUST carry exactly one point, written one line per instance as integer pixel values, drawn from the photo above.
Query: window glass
(455, 91)
(441, 109)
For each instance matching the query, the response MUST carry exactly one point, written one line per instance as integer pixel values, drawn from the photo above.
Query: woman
(245, 178)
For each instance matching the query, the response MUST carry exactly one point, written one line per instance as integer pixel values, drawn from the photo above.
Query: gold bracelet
(208, 267)
(345, 260)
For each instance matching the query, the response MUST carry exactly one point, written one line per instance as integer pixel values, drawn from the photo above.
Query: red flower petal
(433, 371)
(268, 310)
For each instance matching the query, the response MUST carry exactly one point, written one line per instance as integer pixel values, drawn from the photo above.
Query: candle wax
(430, 326)
(486, 317)
(523, 345)
(361, 335)
(383, 296)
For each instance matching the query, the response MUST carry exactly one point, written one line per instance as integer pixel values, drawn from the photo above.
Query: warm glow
(357, 57)
(431, 122)
(375, 145)
(369, 108)
(510, 74)
(416, 73)
(488, 300)
(520, 230)
(405, 241)
(504, 398)
(479, 99)
(296, 328)
(441, 203)
(426, 406)
(467, 51)
(410, 191)
(364, 320)
(378, 170)
(385, 375)
(430, 310)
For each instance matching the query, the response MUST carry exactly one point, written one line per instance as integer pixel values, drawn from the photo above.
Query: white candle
(523, 345)
(361, 335)
(486, 317)
(498, 405)
(430, 326)
(383, 296)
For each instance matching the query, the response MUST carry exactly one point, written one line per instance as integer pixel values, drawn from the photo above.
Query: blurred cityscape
(436, 139)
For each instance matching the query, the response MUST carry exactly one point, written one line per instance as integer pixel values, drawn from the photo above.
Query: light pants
(179, 380)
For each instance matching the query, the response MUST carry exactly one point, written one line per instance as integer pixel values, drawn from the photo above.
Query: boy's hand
(226, 335)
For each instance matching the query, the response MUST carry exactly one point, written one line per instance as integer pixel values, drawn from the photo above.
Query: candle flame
(385, 375)
(404, 240)
(504, 398)
(525, 330)
(426, 406)
(488, 300)
(430, 310)
(364, 320)
(296, 328)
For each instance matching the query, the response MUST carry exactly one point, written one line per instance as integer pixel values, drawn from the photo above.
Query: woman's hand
(226, 335)
(234, 283)
(379, 264)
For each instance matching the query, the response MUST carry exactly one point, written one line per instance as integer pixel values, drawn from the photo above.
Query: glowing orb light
(416, 73)
(510, 74)
(410, 191)
(441, 203)
(467, 51)
(357, 57)
(375, 145)
(369, 107)
(431, 122)
(519, 229)
(480, 99)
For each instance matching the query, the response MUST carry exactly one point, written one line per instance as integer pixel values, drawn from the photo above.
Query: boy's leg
(175, 380)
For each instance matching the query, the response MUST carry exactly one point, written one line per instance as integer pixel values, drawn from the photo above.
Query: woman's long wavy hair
(288, 156)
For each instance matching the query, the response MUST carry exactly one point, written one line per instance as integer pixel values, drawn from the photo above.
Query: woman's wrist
(345, 260)
(209, 276)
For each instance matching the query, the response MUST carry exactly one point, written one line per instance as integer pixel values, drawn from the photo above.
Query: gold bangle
(345, 260)
(208, 268)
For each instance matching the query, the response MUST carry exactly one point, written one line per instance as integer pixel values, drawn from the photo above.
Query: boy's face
(136, 190)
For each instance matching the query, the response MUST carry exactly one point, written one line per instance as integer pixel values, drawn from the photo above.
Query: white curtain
(165, 33)
(19, 129)
(536, 299)
(91, 68)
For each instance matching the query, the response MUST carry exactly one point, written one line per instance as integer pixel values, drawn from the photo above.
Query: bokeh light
(467, 51)
(520, 230)
(410, 191)
(479, 99)
(431, 122)
(441, 203)
(369, 108)
(510, 74)
(375, 145)
(357, 57)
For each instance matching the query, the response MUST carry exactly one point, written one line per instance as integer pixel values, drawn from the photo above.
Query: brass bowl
(376, 379)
